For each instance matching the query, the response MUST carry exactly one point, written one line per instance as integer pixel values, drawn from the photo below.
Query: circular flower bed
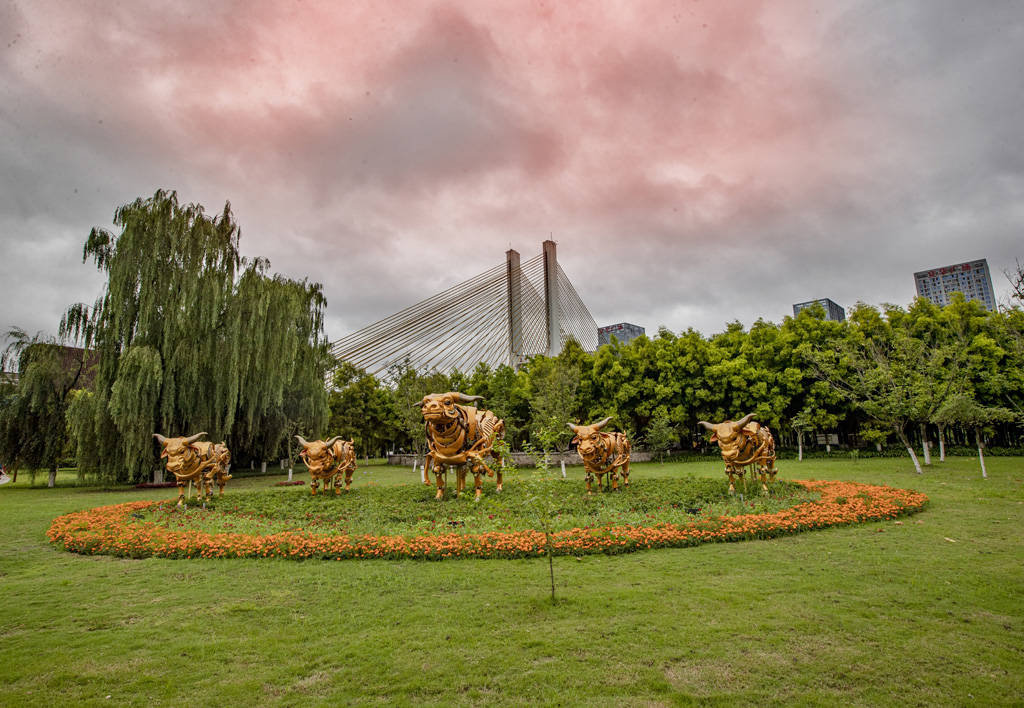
(119, 530)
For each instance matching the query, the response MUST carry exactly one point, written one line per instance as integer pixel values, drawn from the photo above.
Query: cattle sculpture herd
(462, 436)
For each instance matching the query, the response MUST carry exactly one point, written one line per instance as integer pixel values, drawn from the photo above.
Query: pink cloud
(383, 132)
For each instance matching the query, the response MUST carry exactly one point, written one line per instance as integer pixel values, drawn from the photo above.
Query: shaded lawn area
(927, 611)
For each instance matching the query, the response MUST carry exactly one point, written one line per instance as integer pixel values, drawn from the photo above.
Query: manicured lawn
(929, 610)
(410, 509)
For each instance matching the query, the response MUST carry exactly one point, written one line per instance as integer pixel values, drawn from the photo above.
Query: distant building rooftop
(971, 278)
(623, 331)
(832, 311)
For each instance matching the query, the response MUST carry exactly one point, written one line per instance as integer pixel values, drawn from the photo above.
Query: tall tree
(33, 432)
(409, 386)
(190, 337)
(963, 409)
(1016, 279)
(895, 378)
(554, 384)
(362, 410)
(661, 434)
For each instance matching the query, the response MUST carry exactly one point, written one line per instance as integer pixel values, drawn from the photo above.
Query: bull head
(176, 450)
(443, 407)
(222, 453)
(588, 437)
(728, 435)
(317, 454)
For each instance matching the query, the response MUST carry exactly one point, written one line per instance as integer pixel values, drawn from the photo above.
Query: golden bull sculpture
(745, 443)
(602, 453)
(459, 436)
(192, 461)
(329, 461)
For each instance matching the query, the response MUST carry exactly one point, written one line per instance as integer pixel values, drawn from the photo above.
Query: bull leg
(439, 474)
(348, 477)
(428, 462)
(221, 481)
(336, 482)
(732, 486)
(501, 467)
(589, 478)
(614, 477)
(313, 484)
(625, 473)
(181, 493)
(478, 483)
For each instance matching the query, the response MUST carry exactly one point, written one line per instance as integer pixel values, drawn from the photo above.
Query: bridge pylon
(504, 315)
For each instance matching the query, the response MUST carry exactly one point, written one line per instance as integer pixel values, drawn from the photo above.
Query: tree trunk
(942, 442)
(158, 475)
(800, 446)
(910, 449)
(981, 455)
(53, 477)
(263, 467)
(924, 444)
(878, 447)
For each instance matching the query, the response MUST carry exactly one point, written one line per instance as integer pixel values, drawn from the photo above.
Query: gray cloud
(756, 162)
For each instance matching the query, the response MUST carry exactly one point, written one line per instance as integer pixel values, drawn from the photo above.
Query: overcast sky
(697, 162)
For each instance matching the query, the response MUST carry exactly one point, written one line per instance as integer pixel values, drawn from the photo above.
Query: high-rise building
(832, 311)
(623, 331)
(972, 279)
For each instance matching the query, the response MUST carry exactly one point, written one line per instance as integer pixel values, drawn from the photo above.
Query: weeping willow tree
(33, 433)
(190, 337)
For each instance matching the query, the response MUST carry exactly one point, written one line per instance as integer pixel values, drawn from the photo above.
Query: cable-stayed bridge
(501, 316)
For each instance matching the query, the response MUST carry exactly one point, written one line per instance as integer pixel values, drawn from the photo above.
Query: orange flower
(112, 530)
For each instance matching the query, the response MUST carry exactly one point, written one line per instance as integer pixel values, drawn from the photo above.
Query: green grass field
(926, 611)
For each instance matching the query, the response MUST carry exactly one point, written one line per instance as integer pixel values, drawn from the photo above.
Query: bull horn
(192, 438)
(572, 427)
(419, 403)
(706, 424)
(332, 440)
(601, 424)
(160, 438)
(302, 440)
(744, 420)
(463, 398)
